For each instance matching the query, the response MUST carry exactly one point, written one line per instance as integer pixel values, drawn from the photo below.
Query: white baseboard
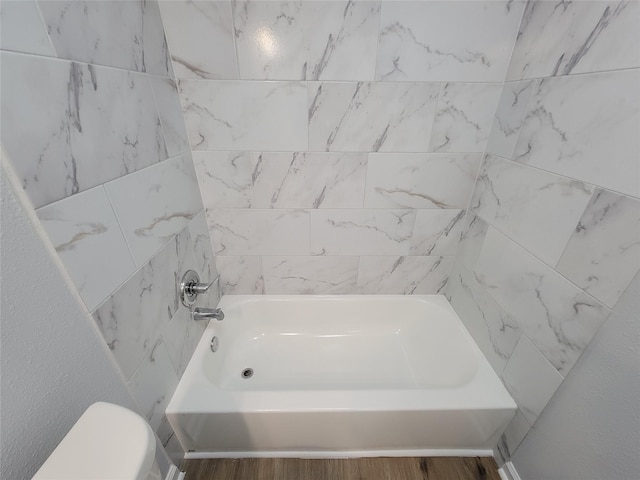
(508, 472)
(344, 454)
(174, 473)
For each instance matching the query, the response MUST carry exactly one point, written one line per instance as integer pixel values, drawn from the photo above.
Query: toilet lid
(108, 442)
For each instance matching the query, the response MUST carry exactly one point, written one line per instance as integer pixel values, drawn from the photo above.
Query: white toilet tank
(108, 442)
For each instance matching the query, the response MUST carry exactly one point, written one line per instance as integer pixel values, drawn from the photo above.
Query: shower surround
(336, 143)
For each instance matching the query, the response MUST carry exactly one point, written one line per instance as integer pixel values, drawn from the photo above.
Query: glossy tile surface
(403, 275)
(371, 117)
(463, 117)
(54, 118)
(558, 317)
(565, 134)
(537, 209)
(262, 116)
(603, 253)
(201, 38)
(559, 38)
(126, 35)
(85, 232)
(22, 28)
(165, 197)
(307, 40)
(420, 180)
(318, 275)
(447, 41)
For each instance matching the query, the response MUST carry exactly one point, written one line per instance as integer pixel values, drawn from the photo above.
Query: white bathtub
(353, 375)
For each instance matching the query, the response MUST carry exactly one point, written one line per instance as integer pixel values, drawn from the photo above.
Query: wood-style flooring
(431, 468)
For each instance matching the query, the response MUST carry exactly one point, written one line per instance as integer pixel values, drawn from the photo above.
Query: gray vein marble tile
(317, 275)
(259, 116)
(240, 275)
(200, 37)
(537, 209)
(603, 254)
(436, 232)
(165, 197)
(558, 317)
(126, 35)
(225, 178)
(68, 127)
(307, 40)
(420, 180)
(471, 240)
(447, 41)
(559, 38)
(154, 383)
(180, 337)
(566, 134)
(239, 232)
(133, 317)
(371, 117)
(22, 28)
(530, 379)
(403, 275)
(85, 233)
(309, 180)
(361, 232)
(509, 117)
(202, 251)
(516, 431)
(463, 117)
(494, 330)
(171, 118)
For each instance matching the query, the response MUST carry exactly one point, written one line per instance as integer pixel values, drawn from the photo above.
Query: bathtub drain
(247, 373)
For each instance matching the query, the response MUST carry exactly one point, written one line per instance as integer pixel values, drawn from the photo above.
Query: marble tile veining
(561, 38)
(126, 35)
(260, 116)
(132, 318)
(180, 337)
(565, 134)
(474, 230)
(200, 37)
(259, 231)
(447, 41)
(436, 232)
(420, 180)
(463, 117)
(166, 198)
(537, 209)
(361, 232)
(494, 330)
(309, 180)
(170, 112)
(403, 275)
(603, 254)
(371, 117)
(317, 275)
(225, 178)
(153, 383)
(530, 379)
(22, 28)
(240, 275)
(68, 127)
(308, 40)
(85, 233)
(558, 317)
(509, 117)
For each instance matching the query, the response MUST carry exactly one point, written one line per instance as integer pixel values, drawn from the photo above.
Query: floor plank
(379, 468)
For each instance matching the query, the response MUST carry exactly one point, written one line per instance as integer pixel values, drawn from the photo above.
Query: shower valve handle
(190, 287)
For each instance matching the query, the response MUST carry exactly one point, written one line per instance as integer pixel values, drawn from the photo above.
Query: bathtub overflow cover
(247, 373)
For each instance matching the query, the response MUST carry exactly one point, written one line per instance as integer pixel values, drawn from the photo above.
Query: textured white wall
(54, 362)
(590, 429)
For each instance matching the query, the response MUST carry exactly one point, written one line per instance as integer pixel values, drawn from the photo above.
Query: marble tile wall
(336, 143)
(92, 124)
(551, 238)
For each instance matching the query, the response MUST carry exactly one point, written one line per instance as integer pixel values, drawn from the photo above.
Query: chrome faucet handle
(190, 287)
